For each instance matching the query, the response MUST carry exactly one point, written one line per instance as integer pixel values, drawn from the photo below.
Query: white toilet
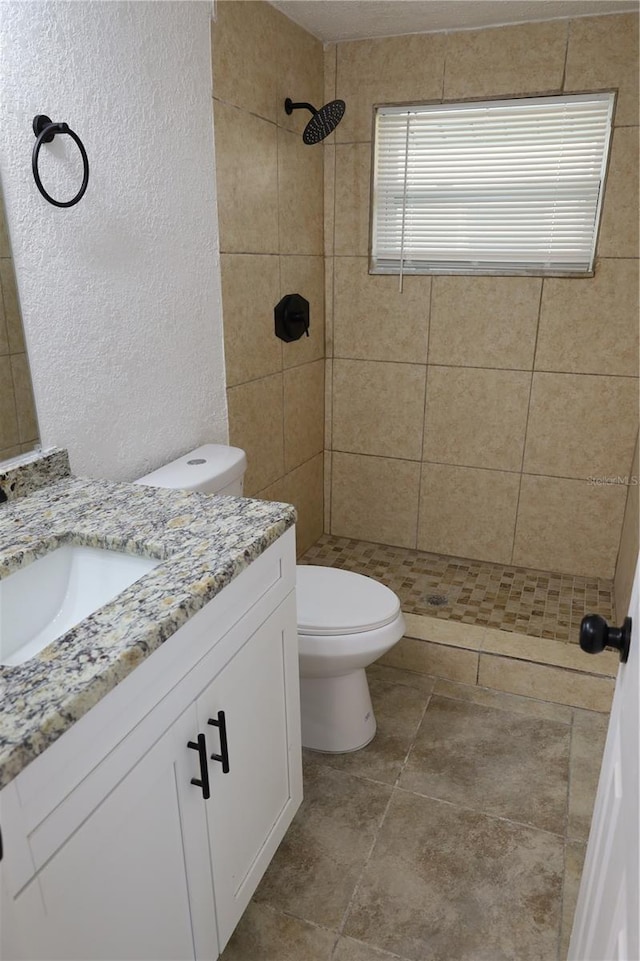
(345, 620)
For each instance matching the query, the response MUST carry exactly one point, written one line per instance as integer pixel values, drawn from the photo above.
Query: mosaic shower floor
(537, 603)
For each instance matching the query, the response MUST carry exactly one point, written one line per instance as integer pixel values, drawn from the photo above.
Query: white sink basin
(43, 600)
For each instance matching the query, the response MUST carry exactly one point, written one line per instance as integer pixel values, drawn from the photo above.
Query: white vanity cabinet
(144, 830)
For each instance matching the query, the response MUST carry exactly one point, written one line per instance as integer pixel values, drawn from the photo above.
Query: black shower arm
(289, 106)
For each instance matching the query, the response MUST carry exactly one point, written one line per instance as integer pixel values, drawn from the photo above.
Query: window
(502, 186)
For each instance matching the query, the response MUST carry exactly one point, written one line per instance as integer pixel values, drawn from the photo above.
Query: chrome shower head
(323, 122)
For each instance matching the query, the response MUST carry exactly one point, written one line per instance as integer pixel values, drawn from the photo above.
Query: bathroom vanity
(150, 759)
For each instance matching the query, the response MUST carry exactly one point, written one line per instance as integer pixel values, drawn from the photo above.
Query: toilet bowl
(345, 620)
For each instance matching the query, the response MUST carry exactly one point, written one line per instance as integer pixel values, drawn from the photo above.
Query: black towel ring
(45, 131)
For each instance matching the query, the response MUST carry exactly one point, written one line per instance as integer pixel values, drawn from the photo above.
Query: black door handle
(595, 635)
(201, 747)
(223, 757)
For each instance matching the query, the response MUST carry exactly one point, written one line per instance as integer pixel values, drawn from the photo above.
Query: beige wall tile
(513, 703)
(484, 321)
(434, 659)
(373, 321)
(590, 326)
(300, 204)
(581, 426)
(542, 650)
(255, 425)
(5, 243)
(4, 336)
(305, 276)
(330, 60)
(378, 408)
(467, 512)
(305, 491)
(552, 683)
(329, 275)
(568, 526)
(9, 433)
(329, 196)
(375, 499)
(328, 404)
(7, 452)
(13, 317)
(303, 413)
(476, 418)
(328, 455)
(300, 72)
(244, 37)
(439, 631)
(352, 194)
(573, 862)
(386, 70)
(603, 53)
(247, 181)
(250, 291)
(620, 215)
(25, 407)
(628, 552)
(527, 58)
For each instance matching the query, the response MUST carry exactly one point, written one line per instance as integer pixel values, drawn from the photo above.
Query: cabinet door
(118, 888)
(252, 805)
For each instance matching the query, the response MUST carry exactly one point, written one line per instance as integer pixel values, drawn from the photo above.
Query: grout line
(566, 57)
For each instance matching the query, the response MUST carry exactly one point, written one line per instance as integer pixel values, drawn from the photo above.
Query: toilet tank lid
(210, 465)
(332, 601)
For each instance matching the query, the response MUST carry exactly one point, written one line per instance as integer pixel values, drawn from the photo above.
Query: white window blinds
(503, 186)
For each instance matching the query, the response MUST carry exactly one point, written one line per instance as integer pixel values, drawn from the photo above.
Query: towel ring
(45, 131)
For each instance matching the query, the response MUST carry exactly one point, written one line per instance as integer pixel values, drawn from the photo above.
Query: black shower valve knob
(292, 317)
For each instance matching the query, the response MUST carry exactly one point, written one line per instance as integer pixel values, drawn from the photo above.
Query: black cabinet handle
(223, 757)
(595, 635)
(201, 747)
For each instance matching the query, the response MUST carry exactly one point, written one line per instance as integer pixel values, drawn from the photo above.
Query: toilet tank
(211, 469)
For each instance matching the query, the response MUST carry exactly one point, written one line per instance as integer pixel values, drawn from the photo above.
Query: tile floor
(458, 834)
(537, 603)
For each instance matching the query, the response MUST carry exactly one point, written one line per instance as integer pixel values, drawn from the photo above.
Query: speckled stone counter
(28, 473)
(204, 543)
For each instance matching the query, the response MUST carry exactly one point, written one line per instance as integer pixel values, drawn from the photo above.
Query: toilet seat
(332, 602)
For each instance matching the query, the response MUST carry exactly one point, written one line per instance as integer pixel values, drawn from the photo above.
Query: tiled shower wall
(466, 415)
(271, 221)
(18, 425)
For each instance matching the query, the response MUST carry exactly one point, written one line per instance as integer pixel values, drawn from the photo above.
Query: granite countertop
(203, 541)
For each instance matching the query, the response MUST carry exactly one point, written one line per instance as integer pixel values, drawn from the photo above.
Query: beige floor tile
(394, 675)
(542, 650)
(588, 738)
(444, 883)
(378, 408)
(375, 498)
(367, 309)
(555, 683)
(476, 418)
(451, 633)
(573, 864)
(504, 702)
(398, 709)
(315, 870)
(591, 326)
(472, 755)
(303, 413)
(267, 935)
(484, 321)
(526, 58)
(434, 659)
(351, 230)
(350, 950)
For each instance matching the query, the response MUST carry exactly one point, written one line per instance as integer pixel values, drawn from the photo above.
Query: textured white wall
(120, 294)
